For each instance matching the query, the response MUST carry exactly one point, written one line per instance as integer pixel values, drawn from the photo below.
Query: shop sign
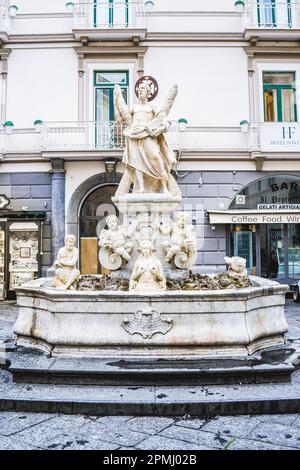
(4, 201)
(280, 137)
(254, 217)
(278, 207)
(275, 199)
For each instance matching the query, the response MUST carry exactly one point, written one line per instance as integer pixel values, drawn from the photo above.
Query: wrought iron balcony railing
(106, 14)
(84, 136)
(272, 14)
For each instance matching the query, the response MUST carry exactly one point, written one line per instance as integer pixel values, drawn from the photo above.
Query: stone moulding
(205, 323)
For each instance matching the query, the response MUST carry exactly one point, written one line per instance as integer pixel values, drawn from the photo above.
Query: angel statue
(147, 156)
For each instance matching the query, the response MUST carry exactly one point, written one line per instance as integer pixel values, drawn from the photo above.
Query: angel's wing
(170, 99)
(122, 113)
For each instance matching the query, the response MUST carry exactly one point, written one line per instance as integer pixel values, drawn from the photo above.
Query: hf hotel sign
(280, 137)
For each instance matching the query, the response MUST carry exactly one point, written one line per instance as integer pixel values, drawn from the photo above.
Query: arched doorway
(95, 208)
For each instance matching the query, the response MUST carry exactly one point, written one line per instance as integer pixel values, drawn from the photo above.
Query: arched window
(271, 193)
(94, 210)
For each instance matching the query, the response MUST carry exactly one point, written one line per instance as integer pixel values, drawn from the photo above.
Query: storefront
(263, 226)
(20, 250)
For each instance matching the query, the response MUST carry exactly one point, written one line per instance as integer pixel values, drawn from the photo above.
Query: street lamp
(70, 6)
(13, 10)
(239, 6)
(182, 124)
(9, 127)
(244, 126)
(38, 125)
(149, 5)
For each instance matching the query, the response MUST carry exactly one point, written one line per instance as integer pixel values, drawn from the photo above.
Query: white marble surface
(205, 323)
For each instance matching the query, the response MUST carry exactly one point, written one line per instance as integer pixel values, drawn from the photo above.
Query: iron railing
(83, 136)
(118, 14)
(272, 14)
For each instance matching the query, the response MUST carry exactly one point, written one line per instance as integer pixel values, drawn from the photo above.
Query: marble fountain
(153, 313)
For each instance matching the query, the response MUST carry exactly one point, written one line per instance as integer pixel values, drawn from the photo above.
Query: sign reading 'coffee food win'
(4, 201)
(280, 137)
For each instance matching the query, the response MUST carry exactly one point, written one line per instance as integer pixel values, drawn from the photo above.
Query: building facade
(234, 127)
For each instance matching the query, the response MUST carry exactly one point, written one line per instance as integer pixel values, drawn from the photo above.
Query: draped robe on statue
(144, 152)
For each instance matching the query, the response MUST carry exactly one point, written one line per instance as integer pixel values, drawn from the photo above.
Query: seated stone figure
(182, 245)
(66, 273)
(114, 242)
(236, 266)
(147, 274)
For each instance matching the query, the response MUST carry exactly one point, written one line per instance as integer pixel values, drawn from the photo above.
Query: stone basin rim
(263, 288)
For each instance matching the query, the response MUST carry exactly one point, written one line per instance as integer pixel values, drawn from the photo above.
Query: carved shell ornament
(152, 84)
(147, 322)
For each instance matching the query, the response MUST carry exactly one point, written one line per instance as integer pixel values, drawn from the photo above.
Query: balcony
(4, 20)
(93, 138)
(269, 19)
(120, 19)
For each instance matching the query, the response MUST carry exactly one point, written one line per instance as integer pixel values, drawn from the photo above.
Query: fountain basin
(221, 323)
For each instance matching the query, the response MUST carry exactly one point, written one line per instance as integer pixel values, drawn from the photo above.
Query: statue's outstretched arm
(122, 113)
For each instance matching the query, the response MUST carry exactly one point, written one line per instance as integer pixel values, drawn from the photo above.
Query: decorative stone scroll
(147, 322)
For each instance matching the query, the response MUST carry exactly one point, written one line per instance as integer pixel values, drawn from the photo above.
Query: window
(274, 14)
(106, 133)
(279, 97)
(111, 13)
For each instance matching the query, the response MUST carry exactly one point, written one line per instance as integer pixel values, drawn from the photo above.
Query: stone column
(4, 69)
(81, 73)
(58, 207)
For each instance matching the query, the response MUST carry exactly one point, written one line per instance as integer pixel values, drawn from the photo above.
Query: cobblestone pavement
(33, 431)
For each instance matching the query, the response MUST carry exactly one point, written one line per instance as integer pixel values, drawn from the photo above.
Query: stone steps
(36, 368)
(197, 400)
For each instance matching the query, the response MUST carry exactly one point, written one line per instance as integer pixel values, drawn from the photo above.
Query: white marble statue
(182, 245)
(236, 266)
(147, 275)
(66, 272)
(147, 157)
(114, 244)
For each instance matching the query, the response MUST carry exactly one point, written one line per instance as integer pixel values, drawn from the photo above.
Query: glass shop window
(279, 97)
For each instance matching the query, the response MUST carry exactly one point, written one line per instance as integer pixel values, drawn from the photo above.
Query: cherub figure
(182, 244)
(114, 240)
(66, 273)
(147, 274)
(147, 156)
(236, 266)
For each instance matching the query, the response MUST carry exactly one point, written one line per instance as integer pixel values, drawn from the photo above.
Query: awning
(253, 217)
